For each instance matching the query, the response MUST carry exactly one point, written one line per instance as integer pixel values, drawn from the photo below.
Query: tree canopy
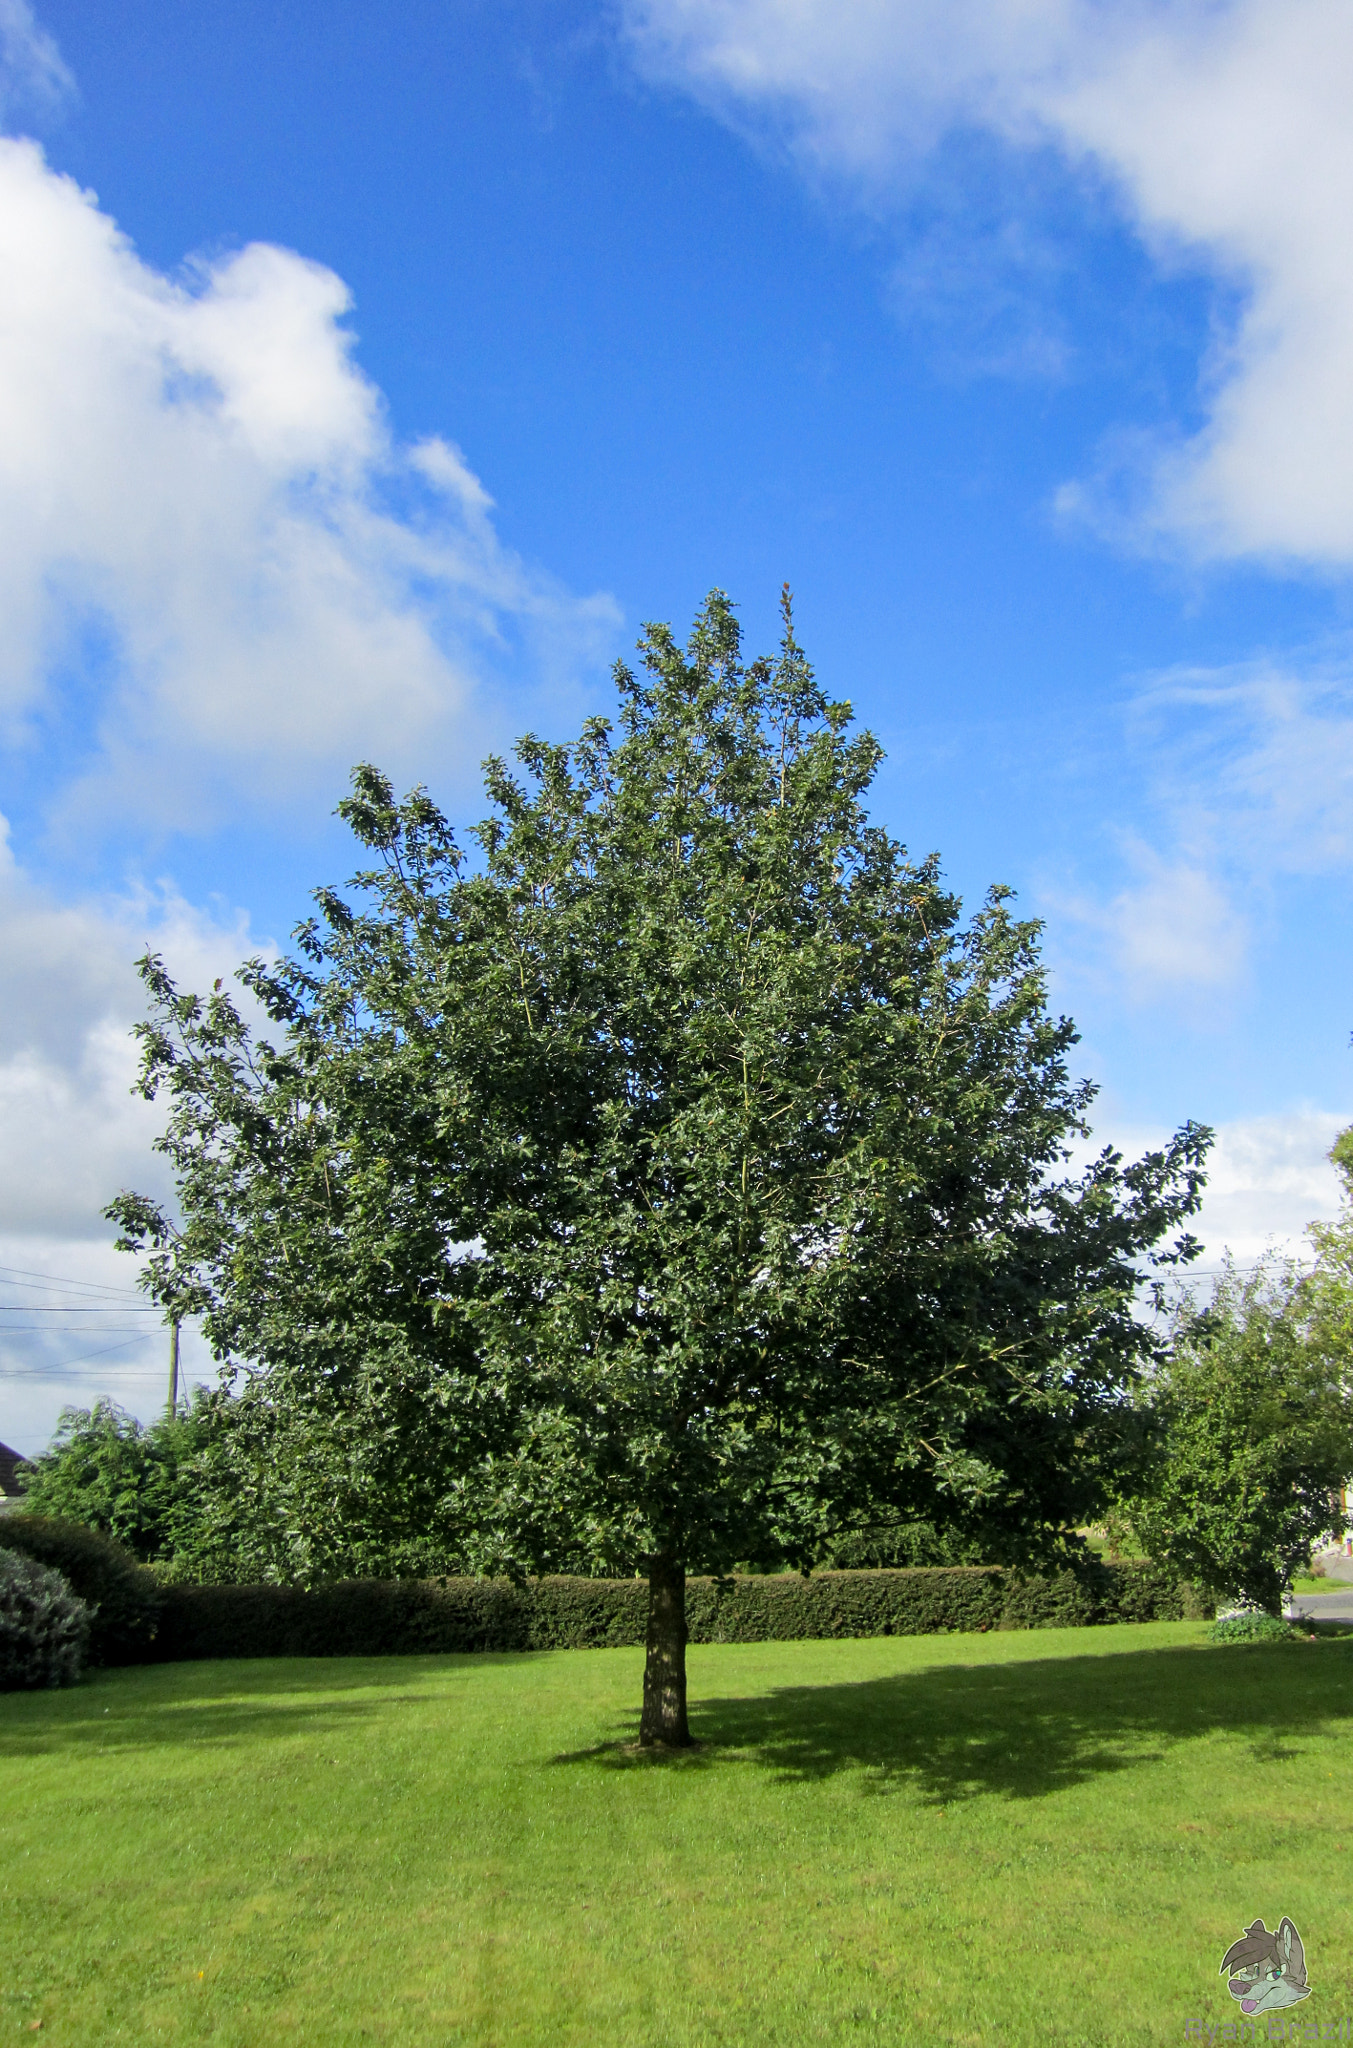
(668, 1180)
(165, 1491)
(1249, 1438)
(1246, 1445)
(103, 1469)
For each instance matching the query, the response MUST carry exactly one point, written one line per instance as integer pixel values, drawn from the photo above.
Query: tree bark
(664, 1715)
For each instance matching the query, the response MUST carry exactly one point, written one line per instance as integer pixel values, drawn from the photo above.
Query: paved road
(1325, 1606)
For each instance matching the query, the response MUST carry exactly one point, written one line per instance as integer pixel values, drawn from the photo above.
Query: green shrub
(122, 1597)
(1244, 1436)
(1254, 1628)
(374, 1617)
(43, 1627)
(919, 1601)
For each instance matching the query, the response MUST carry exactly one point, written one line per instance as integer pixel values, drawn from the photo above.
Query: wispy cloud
(34, 80)
(1269, 1178)
(1171, 926)
(215, 557)
(1222, 127)
(985, 263)
(1242, 777)
(1260, 753)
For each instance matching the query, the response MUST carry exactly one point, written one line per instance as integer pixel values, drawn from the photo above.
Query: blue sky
(368, 377)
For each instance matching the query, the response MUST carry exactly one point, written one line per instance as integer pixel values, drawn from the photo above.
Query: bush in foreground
(123, 1598)
(1255, 1628)
(44, 1629)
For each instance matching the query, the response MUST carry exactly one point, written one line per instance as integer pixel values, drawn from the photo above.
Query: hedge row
(123, 1598)
(374, 1618)
(136, 1618)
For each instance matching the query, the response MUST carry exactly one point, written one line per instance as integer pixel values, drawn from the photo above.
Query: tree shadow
(218, 1703)
(1020, 1730)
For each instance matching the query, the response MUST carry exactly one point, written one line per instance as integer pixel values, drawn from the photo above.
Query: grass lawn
(1001, 1839)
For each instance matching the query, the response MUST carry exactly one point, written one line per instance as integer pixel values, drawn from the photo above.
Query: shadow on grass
(219, 1703)
(1018, 1730)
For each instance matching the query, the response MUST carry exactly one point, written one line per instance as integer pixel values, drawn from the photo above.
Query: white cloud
(207, 527)
(33, 77)
(72, 1133)
(1268, 1179)
(1223, 126)
(1172, 926)
(1241, 780)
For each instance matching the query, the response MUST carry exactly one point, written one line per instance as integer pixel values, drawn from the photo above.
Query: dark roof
(9, 1483)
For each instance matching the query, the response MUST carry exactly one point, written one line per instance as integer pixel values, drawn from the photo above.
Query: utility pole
(173, 1369)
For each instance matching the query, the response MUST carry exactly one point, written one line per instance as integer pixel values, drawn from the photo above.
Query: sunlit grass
(1002, 1839)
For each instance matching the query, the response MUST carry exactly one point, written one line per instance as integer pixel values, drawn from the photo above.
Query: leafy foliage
(678, 1182)
(43, 1627)
(1327, 1292)
(1249, 1440)
(107, 1471)
(908, 1545)
(122, 1598)
(1254, 1628)
(166, 1491)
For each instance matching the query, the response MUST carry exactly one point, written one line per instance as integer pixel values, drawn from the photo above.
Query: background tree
(102, 1468)
(673, 1185)
(167, 1491)
(1249, 1438)
(1327, 1293)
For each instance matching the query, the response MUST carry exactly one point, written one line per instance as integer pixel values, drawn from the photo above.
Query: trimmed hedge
(380, 1618)
(123, 1598)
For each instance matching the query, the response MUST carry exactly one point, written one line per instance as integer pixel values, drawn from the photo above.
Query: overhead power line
(48, 1372)
(52, 1280)
(134, 1372)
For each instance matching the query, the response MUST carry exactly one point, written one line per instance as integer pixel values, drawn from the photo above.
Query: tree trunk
(664, 1715)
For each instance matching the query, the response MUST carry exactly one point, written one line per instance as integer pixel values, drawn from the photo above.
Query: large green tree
(674, 1181)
